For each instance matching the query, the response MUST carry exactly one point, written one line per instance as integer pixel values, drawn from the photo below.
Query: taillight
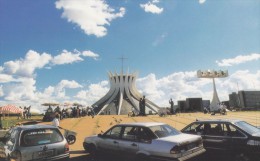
(67, 148)
(16, 156)
(175, 150)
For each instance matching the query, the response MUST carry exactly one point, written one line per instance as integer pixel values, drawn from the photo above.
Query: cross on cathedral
(122, 59)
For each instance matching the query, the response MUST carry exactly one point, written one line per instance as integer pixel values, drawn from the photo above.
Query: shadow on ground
(83, 156)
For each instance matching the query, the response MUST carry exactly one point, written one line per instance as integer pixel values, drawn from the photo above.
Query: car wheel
(242, 157)
(93, 152)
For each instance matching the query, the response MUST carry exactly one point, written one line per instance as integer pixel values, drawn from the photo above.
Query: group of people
(26, 114)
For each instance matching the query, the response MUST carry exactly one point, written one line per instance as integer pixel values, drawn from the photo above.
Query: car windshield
(164, 130)
(247, 127)
(40, 136)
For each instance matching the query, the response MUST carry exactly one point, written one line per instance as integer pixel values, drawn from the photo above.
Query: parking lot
(87, 126)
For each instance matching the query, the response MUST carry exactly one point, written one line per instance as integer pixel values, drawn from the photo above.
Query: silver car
(145, 141)
(34, 142)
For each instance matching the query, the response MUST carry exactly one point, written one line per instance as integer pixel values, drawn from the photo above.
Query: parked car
(34, 142)
(234, 137)
(143, 141)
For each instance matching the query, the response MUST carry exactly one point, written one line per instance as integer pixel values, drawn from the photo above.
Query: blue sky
(61, 51)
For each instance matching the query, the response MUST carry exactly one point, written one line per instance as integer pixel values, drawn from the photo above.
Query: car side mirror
(100, 135)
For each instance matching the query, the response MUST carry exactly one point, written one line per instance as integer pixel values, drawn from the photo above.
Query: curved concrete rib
(113, 96)
(121, 94)
(127, 89)
(109, 93)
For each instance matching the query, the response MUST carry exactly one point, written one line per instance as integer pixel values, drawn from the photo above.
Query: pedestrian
(77, 111)
(55, 121)
(28, 112)
(140, 106)
(171, 108)
(143, 106)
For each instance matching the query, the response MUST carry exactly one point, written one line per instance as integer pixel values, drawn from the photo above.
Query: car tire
(71, 139)
(242, 157)
(93, 152)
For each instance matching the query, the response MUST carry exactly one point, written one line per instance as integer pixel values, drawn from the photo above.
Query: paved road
(82, 156)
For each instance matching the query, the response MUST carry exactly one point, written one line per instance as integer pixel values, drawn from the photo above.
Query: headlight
(175, 150)
(253, 142)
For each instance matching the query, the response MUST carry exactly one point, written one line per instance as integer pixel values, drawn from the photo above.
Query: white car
(34, 142)
(145, 141)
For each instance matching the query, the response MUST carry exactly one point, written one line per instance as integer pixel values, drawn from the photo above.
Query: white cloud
(182, 85)
(1, 91)
(93, 93)
(90, 15)
(69, 84)
(238, 59)
(202, 1)
(151, 7)
(90, 54)
(66, 57)
(4, 78)
(22, 89)
(26, 67)
(179, 86)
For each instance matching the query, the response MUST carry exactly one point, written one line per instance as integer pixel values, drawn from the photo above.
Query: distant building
(192, 104)
(182, 105)
(234, 100)
(245, 99)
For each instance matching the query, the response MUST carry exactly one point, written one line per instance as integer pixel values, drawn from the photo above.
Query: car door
(214, 138)
(239, 139)
(128, 144)
(110, 140)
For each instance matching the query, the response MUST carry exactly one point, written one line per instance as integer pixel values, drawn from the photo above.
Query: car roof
(218, 121)
(146, 124)
(36, 126)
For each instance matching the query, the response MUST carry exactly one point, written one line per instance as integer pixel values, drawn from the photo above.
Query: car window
(247, 127)
(164, 130)
(145, 135)
(195, 128)
(130, 133)
(113, 133)
(214, 129)
(234, 132)
(35, 137)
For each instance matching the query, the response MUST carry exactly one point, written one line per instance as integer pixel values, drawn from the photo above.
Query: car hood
(181, 138)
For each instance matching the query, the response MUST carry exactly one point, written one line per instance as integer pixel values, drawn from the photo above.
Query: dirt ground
(87, 126)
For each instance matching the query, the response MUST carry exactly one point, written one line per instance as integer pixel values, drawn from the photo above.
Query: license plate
(45, 153)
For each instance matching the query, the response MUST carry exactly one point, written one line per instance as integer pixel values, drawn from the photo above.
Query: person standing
(171, 104)
(140, 106)
(56, 121)
(143, 106)
(29, 112)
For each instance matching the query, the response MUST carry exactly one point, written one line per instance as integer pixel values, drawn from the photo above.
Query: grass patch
(10, 121)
